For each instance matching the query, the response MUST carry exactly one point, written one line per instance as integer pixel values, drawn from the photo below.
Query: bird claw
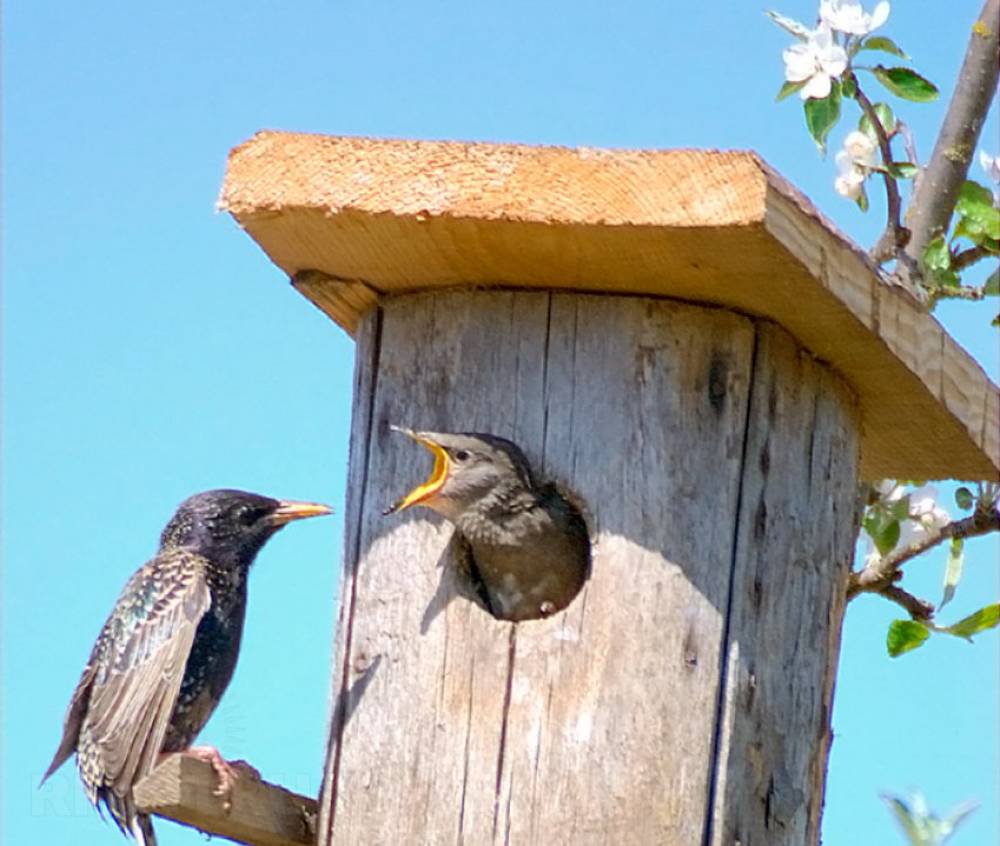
(228, 772)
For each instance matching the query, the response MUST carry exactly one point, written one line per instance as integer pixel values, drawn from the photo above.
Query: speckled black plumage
(168, 649)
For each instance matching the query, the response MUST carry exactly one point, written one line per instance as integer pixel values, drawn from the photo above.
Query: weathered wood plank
(426, 733)
(353, 676)
(601, 717)
(260, 814)
(345, 300)
(612, 719)
(714, 227)
(795, 540)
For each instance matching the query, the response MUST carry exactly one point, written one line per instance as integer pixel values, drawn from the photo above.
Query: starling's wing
(140, 665)
(74, 718)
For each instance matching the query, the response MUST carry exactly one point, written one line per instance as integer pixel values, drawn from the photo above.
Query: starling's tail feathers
(142, 830)
(123, 812)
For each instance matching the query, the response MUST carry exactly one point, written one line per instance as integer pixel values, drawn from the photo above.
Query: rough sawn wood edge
(378, 217)
(182, 788)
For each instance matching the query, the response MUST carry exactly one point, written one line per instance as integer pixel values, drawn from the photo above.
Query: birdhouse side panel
(795, 541)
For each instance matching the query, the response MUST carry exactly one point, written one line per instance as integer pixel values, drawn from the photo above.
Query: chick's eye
(460, 455)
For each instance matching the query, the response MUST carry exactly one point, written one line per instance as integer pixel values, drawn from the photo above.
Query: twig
(973, 293)
(969, 257)
(934, 197)
(894, 238)
(882, 573)
(918, 609)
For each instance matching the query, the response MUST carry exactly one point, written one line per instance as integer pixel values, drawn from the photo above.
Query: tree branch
(880, 576)
(918, 609)
(936, 293)
(894, 237)
(969, 257)
(935, 194)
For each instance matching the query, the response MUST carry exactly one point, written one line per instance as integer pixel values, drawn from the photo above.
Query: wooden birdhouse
(680, 340)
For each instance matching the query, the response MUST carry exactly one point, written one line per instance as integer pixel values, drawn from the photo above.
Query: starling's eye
(460, 455)
(247, 516)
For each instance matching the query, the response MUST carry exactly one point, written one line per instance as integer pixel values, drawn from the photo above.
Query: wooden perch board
(374, 218)
(261, 814)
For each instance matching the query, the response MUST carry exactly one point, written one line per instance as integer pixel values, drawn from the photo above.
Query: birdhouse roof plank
(355, 219)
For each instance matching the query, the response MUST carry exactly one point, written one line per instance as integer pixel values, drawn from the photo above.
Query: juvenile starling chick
(168, 650)
(530, 548)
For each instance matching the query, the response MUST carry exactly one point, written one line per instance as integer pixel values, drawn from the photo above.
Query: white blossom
(849, 17)
(991, 164)
(928, 513)
(850, 178)
(854, 162)
(816, 61)
(872, 556)
(862, 148)
(925, 516)
(889, 490)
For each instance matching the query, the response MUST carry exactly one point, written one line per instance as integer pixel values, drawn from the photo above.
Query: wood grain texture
(352, 672)
(261, 814)
(344, 300)
(604, 723)
(794, 544)
(702, 226)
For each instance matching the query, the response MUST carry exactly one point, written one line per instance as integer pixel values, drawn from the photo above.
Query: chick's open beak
(437, 478)
(289, 510)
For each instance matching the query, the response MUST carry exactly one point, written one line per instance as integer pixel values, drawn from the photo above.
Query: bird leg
(227, 771)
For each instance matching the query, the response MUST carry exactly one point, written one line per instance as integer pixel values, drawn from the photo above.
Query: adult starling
(529, 545)
(168, 650)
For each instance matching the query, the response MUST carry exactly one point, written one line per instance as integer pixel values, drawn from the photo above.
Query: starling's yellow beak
(289, 510)
(437, 478)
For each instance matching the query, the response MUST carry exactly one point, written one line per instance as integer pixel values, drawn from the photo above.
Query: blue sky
(150, 350)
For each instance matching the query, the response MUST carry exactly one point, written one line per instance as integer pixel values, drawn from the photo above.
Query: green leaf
(883, 528)
(849, 87)
(983, 619)
(937, 256)
(937, 263)
(964, 498)
(952, 571)
(991, 288)
(967, 229)
(903, 170)
(976, 209)
(909, 821)
(862, 199)
(957, 816)
(788, 89)
(904, 817)
(906, 83)
(800, 31)
(822, 115)
(900, 509)
(885, 117)
(887, 539)
(886, 45)
(905, 635)
(921, 825)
